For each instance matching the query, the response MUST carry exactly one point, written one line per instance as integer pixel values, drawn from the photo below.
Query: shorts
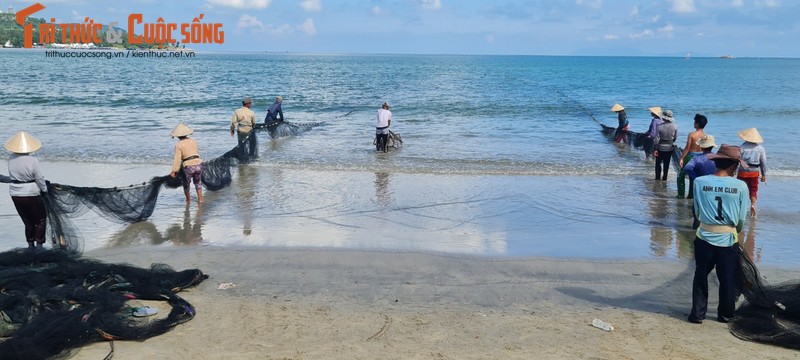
(193, 174)
(752, 185)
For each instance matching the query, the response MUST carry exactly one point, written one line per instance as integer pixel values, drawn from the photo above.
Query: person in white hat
(187, 159)
(700, 165)
(274, 116)
(755, 156)
(621, 134)
(27, 184)
(666, 134)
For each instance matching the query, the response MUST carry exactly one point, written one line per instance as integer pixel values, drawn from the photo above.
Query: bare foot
(752, 211)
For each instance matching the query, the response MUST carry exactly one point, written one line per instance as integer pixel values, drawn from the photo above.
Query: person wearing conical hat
(621, 134)
(649, 146)
(755, 156)
(689, 151)
(27, 186)
(187, 159)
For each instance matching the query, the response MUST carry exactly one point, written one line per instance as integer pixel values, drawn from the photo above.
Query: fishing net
(52, 302)
(639, 141)
(770, 313)
(278, 129)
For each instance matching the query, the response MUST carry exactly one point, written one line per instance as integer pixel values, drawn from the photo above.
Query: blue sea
(502, 155)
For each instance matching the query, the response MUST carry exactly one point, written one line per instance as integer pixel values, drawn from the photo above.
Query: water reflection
(661, 236)
(748, 242)
(188, 232)
(138, 233)
(382, 193)
(245, 195)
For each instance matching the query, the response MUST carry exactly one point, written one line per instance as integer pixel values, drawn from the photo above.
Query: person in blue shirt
(721, 203)
(274, 116)
(700, 165)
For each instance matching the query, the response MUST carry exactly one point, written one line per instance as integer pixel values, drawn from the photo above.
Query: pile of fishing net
(770, 313)
(53, 301)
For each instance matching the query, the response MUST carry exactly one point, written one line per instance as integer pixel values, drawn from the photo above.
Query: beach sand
(336, 304)
(363, 265)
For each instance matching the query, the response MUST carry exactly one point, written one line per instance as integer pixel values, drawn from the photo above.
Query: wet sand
(624, 217)
(335, 304)
(355, 265)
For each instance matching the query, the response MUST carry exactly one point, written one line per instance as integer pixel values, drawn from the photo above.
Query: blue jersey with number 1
(720, 200)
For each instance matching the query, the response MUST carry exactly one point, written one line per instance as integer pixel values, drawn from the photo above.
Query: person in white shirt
(27, 185)
(382, 127)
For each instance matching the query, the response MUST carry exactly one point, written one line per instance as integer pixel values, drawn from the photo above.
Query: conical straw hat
(23, 143)
(655, 110)
(751, 135)
(705, 142)
(617, 107)
(181, 130)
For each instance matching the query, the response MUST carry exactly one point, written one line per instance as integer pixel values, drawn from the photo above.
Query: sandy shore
(336, 304)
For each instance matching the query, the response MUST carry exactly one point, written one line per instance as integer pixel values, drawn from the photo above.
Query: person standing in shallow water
(187, 159)
(621, 134)
(274, 116)
(689, 151)
(242, 122)
(27, 186)
(382, 127)
(755, 158)
(649, 147)
(720, 203)
(666, 134)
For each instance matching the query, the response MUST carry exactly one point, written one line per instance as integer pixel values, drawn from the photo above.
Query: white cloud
(595, 4)
(311, 5)
(700, 34)
(643, 34)
(308, 27)
(280, 30)
(377, 10)
(610, 37)
(242, 4)
(490, 38)
(666, 28)
(737, 3)
(768, 3)
(656, 18)
(683, 6)
(248, 22)
(635, 11)
(430, 4)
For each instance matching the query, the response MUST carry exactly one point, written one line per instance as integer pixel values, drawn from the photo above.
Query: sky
(739, 28)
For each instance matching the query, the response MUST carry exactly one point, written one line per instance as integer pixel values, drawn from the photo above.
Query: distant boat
(688, 56)
(726, 57)
(8, 44)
